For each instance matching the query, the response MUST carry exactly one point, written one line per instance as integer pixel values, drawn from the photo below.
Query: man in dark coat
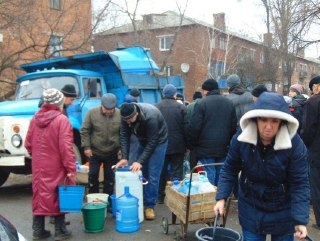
(274, 192)
(211, 127)
(175, 115)
(310, 133)
(146, 122)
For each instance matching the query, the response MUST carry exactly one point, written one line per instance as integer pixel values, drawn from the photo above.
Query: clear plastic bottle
(204, 185)
(176, 184)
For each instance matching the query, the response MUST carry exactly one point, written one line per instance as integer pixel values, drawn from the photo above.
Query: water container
(204, 185)
(134, 180)
(127, 220)
(176, 184)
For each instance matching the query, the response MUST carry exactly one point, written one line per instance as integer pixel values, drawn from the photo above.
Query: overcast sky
(242, 16)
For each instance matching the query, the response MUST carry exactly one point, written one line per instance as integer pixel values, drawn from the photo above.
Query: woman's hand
(300, 232)
(219, 207)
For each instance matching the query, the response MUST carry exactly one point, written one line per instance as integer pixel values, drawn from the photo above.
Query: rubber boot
(38, 228)
(61, 233)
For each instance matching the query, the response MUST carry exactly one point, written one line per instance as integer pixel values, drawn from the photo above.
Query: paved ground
(15, 204)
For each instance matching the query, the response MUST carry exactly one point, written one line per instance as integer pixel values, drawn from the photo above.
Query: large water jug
(134, 180)
(127, 220)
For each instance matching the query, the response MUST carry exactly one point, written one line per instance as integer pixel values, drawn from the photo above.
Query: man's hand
(219, 207)
(136, 166)
(88, 153)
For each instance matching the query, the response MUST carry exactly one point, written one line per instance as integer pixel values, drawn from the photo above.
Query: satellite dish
(185, 67)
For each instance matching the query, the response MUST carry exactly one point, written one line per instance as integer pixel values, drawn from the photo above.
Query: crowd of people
(264, 148)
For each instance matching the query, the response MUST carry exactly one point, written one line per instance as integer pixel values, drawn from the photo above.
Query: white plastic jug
(134, 180)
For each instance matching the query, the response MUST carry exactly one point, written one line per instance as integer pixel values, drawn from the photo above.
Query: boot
(38, 228)
(61, 233)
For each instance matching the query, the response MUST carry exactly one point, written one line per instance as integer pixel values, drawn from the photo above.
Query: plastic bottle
(176, 184)
(127, 218)
(204, 185)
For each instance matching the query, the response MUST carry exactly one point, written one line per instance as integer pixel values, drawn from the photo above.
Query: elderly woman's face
(268, 128)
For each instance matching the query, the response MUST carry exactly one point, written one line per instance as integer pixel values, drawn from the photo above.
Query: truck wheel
(77, 153)
(3, 177)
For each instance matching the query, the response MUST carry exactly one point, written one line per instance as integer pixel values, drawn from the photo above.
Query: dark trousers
(95, 162)
(176, 166)
(315, 192)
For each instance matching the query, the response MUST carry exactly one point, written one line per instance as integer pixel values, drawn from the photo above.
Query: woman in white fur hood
(274, 191)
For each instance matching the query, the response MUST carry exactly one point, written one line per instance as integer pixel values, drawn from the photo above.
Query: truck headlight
(16, 140)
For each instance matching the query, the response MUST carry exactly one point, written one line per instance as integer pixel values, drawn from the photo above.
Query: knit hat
(297, 88)
(233, 80)
(197, 95)
(314, 80)
(53, 97)
(135, 92)
(210, 84)
(258, 90)
(129, 98)
(109, 101)
(128, 110)
(269, 105)
(169, 91)
(69, 91)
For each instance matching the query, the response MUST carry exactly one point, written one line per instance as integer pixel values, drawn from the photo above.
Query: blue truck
(93, 75)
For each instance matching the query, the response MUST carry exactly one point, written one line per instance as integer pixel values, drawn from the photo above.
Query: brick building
(34, 30)
(198, 50)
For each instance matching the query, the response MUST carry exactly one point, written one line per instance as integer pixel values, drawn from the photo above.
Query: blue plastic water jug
(127, 220)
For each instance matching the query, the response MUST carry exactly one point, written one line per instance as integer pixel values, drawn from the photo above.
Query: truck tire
(3, 176)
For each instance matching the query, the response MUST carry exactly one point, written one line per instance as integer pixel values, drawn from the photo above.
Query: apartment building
(198, 50)
(34, 30)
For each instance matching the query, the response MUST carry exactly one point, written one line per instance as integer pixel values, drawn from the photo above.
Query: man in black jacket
(211, 127)
(310, 134)
(146, 122)
(175, 115)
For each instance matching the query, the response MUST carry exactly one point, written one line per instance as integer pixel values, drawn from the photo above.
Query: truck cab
(92, 75)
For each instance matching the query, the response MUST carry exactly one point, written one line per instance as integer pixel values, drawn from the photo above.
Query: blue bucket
(71, 198)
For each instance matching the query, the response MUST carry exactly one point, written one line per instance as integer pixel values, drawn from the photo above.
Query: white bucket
(134, 180)
(97, 197)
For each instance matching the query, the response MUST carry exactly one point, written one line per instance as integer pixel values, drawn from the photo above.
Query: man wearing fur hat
(49, 141)
(310, 134)
(274, 191)
(211, 127)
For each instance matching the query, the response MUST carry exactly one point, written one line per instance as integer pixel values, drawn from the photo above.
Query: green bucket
(94, 217)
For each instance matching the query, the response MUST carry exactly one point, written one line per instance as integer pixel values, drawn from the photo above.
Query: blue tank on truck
(93, 75)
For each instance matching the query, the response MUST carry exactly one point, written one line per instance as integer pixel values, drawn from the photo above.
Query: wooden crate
(200, 209)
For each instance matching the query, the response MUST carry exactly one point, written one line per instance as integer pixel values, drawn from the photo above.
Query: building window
(252, 54)
(55, 46)
(222, 43)
(55, 4)
(261, 57)
(165, 42)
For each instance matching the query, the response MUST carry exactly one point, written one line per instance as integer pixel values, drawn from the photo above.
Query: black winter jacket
(150, 129)
(212, 125)
(310, 132)
(175, 115)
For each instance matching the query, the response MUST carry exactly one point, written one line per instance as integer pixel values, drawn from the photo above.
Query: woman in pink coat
(49, 142)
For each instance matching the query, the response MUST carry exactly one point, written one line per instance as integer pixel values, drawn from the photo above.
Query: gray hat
(233, 80)
(53, 97)
(109, 101)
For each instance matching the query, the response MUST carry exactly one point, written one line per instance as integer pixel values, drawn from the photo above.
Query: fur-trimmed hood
(269, 105)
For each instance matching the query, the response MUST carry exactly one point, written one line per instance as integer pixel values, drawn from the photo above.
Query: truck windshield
(33, 89)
